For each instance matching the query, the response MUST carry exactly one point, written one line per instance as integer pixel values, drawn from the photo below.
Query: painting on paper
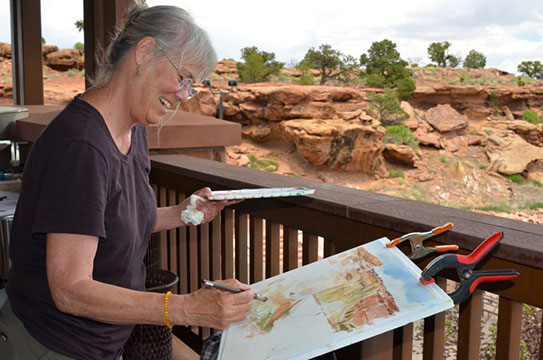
(332, 303)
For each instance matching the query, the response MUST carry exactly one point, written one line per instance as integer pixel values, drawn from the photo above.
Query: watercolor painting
(332, 303)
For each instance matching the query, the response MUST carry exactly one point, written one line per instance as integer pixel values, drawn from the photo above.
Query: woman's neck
(112, 103)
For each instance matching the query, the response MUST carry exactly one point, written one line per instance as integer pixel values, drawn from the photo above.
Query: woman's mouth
(165, 102)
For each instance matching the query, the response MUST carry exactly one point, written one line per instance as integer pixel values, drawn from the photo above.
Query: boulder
(510, 154)
(508, 114)
(412, 122)
(426, 136)
(65, 59)
(403, 154)
(336, 144)
(47, 49)
(257, 132)
(444, 118)
(530, 132)
(5, 50)
(456, 144)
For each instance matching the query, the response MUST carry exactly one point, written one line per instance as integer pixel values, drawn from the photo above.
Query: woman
(86, 210)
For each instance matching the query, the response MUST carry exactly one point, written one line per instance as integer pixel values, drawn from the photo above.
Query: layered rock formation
(337, 144)
(476, 102)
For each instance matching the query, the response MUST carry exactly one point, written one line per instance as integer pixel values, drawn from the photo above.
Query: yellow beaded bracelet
(166, 319)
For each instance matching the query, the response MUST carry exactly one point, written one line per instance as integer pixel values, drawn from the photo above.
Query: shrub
(515, 179)
(263, 164)
(388, 107)
(396, 174)
(405, 88)
(531, 117)
(401, 135)
(520, 81)
(79, 46)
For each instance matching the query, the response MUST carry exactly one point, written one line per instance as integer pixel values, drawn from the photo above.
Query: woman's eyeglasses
(185, 84)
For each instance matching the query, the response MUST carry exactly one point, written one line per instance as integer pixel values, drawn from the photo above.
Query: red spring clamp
(464, 264)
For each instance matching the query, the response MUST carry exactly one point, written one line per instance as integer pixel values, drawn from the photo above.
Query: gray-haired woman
(86, 210)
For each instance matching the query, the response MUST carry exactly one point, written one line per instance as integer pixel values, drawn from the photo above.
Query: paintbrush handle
(231, 289)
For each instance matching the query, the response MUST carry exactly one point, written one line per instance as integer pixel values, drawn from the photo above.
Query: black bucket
(152, 342)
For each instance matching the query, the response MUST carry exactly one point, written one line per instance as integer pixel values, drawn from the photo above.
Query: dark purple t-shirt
(76, 181)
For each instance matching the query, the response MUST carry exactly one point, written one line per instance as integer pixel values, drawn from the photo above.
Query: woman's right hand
(210, 307)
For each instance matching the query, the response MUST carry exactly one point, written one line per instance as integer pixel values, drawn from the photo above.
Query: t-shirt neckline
(102, 122)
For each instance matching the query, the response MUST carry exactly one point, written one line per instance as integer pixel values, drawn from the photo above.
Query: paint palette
(259, 193)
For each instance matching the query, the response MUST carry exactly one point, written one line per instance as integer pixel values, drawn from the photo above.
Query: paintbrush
(231, 289)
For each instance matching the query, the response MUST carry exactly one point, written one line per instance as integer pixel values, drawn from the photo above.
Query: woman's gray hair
(175, 33)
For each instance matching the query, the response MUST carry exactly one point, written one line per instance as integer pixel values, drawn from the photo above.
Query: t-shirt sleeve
(74, 190)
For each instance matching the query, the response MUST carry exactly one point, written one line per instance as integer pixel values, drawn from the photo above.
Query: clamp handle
(467, 287)
(489, 244)
(441, 229)
(443, 248)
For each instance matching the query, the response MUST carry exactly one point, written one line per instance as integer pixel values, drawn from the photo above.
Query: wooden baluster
(164, 250)
(403, 343)
(173, 242)
(216, 246)
(509, 330)
(227, 236)
(378, 347)
(257, 249)
(329, 248)
(272, 249)
(204, 266)
(310, 249)
(183, 251)
(290, 249)
(242, 266)
(541, 342)
(194, 284)
(469, 327)
(434, 331)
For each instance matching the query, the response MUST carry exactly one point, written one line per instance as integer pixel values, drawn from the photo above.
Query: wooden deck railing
(258, 239)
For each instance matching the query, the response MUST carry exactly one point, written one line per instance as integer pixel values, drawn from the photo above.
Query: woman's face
(160, 89)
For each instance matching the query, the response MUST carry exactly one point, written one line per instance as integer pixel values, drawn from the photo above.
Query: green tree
(439, 53)
(43, 40)
(533, 69)
(79, 24)
(326, 59)
(79, 46)
(475, 60)
(258, 65)
(388, 107)
(384, 67)
(348, 69)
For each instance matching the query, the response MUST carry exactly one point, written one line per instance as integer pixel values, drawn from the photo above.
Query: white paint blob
(190, 215)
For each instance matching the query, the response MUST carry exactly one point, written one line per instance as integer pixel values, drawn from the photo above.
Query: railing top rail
(523, 242)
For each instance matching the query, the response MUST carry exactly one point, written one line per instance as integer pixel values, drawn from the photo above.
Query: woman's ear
(145, 50)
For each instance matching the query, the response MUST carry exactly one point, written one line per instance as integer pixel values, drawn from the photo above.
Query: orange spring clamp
(416, 239)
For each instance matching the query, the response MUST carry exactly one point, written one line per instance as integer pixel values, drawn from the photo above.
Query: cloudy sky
(505, 31)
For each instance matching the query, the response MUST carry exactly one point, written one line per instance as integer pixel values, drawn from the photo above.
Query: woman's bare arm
(69, 263)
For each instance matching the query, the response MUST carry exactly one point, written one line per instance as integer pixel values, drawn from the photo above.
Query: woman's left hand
(209, 208)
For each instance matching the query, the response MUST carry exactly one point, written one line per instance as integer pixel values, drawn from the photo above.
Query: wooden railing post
(469, 327)
(227, 236)
(509, 330)
(290, 249)
(272, 249)
(257, 249)
(434, 332)
(242, 223)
